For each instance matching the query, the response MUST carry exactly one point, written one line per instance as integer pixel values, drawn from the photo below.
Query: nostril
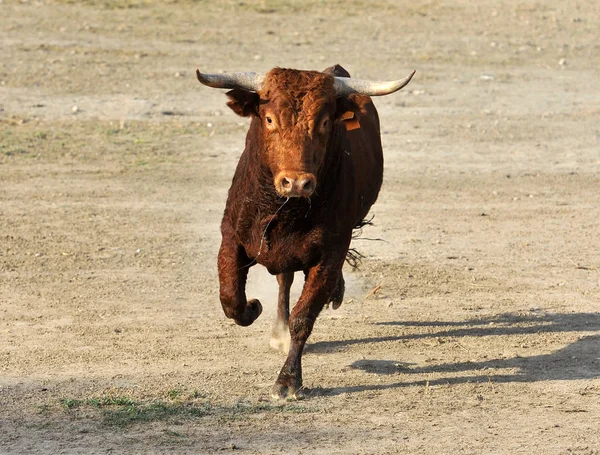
(286, 183)
(294, 184)
(308, 186)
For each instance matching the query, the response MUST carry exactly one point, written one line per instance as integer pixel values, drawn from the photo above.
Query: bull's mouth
(295, 184)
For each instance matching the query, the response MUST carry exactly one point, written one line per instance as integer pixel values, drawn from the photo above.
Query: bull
(311, 169)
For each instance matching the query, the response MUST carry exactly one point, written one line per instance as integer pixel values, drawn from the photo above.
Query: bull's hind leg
(321, 282)
(280, 337)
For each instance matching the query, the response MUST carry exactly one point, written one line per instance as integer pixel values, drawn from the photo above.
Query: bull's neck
(329, 174)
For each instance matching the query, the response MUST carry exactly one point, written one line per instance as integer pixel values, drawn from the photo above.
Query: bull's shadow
(579, 360)
(503, 324)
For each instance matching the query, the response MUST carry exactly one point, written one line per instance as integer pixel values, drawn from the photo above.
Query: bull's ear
(354, 103)
(243, 103)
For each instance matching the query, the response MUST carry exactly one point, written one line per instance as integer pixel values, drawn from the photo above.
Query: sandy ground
(472, 327)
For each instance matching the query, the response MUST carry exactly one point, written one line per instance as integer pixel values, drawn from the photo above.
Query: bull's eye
(270, 123)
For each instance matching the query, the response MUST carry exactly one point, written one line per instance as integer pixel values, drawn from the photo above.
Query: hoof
(338, 296)
(256, 307)
(335, 304)
(252, 312)
(288, 392)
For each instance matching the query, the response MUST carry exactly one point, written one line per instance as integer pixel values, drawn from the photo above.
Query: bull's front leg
(233, 264)
(320, 283)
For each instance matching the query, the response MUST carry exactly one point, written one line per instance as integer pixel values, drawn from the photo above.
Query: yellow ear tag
(350, 121)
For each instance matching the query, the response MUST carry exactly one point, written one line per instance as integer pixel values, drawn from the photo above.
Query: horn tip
(407, 80)
(201, 77)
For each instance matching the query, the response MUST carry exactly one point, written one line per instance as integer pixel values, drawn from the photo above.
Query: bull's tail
(357, 230)
(354, 257)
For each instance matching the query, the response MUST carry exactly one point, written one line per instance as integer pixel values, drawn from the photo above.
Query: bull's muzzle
(295, 184)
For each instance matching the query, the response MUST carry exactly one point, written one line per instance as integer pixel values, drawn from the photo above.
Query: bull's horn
(347, 85)
(251, 82)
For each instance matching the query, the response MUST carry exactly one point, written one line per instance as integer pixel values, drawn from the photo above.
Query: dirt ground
(472, 326)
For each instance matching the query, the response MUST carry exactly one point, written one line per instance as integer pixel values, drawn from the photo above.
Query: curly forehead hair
(302, 91)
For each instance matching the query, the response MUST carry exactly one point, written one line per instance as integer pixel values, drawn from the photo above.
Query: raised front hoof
(252, 312)
(291, 392)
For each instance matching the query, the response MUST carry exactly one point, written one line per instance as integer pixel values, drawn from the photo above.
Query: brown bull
(311, 169)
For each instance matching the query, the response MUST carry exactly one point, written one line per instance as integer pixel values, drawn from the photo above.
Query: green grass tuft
(177, 405)
(70, 403)
(174, 393)
(137, 413)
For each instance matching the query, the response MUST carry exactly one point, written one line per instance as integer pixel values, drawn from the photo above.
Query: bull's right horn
(347, 85)
(251, 82)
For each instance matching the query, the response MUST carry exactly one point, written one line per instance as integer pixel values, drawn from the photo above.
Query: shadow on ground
(579, 360)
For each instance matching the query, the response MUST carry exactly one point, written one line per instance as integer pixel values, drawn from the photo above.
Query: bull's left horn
(347, 85)
(251, 82)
